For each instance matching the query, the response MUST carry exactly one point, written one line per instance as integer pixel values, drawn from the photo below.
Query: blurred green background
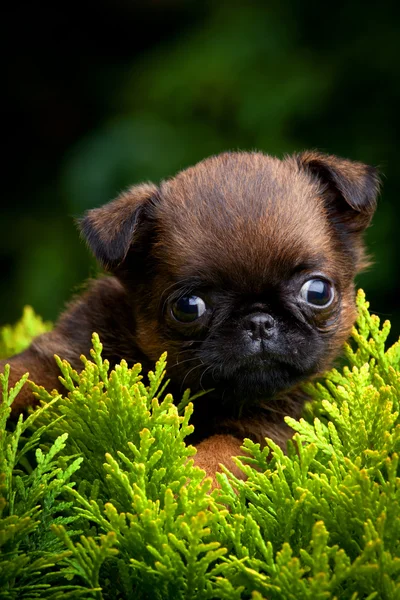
(103, 95)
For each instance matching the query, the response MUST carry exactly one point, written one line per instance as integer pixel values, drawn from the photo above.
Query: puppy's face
(241, 267)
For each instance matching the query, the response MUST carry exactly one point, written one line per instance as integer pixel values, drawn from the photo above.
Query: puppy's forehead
(245, 214)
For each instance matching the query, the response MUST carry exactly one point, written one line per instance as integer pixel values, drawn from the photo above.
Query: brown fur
(245, 226)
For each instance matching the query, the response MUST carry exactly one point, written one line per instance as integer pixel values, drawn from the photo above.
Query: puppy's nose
(259, 326)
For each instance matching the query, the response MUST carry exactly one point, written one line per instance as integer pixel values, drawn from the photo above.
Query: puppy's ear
(349, 188)
(112, 229)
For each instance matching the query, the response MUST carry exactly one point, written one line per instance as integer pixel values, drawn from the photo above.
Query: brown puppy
(242, 268)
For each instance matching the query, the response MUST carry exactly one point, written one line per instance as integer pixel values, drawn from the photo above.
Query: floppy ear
(113, 228)
(349, 188)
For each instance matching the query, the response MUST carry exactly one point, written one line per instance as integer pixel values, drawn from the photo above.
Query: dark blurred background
(102, 95)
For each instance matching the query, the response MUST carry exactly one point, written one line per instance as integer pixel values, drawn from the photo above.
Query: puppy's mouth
(263, 358)
(265, 362)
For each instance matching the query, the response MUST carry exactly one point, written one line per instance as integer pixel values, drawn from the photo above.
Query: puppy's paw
(217, 450)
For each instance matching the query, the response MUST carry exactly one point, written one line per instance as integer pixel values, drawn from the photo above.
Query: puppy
(242, 268)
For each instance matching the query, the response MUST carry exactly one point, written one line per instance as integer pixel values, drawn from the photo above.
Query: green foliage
(15, 339)
(320, 522)
(31, 499)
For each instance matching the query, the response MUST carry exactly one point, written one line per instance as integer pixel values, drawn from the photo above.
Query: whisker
(196, 367)
(186, 351)
(223, 394)
(181, 362)
(204, 372)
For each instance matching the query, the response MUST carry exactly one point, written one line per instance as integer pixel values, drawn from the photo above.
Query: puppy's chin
(257, 379)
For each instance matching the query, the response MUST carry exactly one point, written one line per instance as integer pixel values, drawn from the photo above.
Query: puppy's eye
(317, 292)
(188, 309)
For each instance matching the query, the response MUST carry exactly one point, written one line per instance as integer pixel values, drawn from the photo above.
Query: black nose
(259, 326)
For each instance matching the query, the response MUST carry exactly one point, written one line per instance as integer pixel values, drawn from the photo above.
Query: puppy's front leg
(218, 449)
(38, 360)
(42, 370)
